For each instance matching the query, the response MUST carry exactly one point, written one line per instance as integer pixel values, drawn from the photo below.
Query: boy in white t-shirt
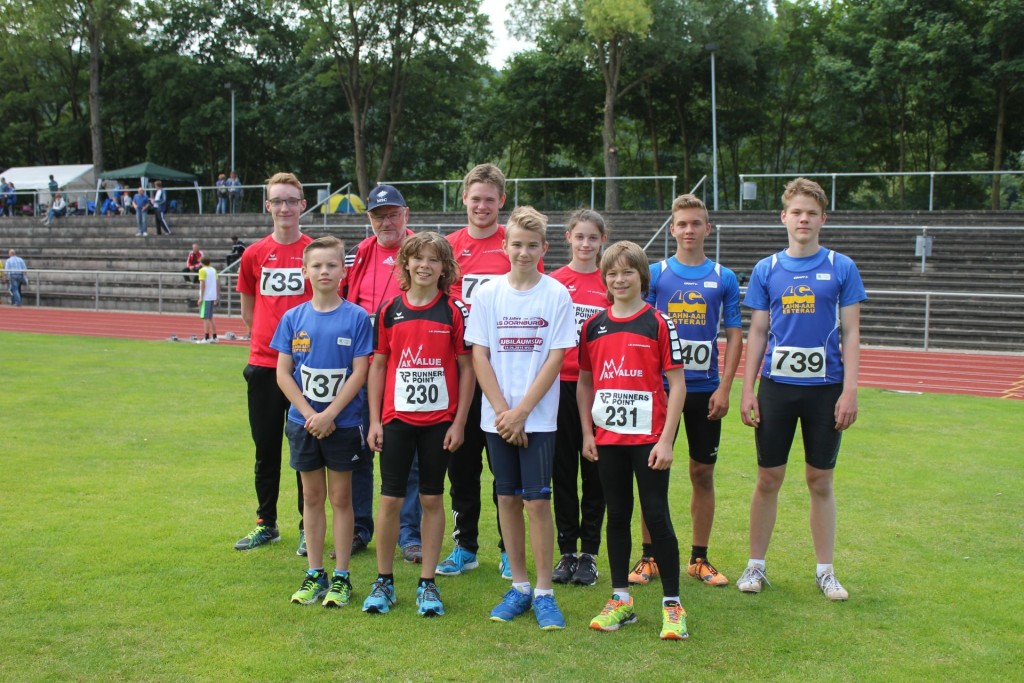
(520, 327)
(208, 296)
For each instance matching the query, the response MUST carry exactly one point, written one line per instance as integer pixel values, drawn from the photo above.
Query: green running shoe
(261, 535)
(314, 586)
(340, 592)
(615, 615)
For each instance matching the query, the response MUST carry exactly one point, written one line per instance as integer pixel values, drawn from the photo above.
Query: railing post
(592, 182)
(931, 190)
(444, 196)
(833, 192)
(96, 292)
(160, 294)
(741, 194)
(927, 317)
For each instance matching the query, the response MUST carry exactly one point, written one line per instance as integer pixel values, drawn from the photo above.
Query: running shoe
(565, 568)
(549, 617)
(413, 554)
(459, 562)
(753, 579)
(301, 550)
(643, 571)
(504, 568)
(673, 621)
(428, 600)
(340, 593)
(615, 615)
(512, 604)
(832, 589)
(314, 586)
(702, 569)
(586, 571)
(261, 535)
(381, 597)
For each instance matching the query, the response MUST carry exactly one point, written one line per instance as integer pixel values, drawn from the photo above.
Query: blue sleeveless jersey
(803, 297)
(697, 299)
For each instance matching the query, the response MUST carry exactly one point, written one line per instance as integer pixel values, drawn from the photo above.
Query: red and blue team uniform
(803, 297)
(421, 385)
(626, 357)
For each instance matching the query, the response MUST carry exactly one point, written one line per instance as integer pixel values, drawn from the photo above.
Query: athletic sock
(622, 595)
(522, 587)
(698, 552)
(424, 582)
(756, 563)
(537, 592)
(648, 550)
(823, 569)
(388, 577)
(671, 598)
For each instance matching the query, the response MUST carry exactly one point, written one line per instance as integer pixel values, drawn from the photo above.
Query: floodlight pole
(712, 47)
(231, 87)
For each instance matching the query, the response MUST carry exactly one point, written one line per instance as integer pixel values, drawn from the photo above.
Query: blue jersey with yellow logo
(323, 346)
(697, 298)
(803, 297)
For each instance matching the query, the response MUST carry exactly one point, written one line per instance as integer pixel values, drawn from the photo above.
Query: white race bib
(623, 412)
(583, 314)
(322, 385)
(696, 354)
(470, 283)
(420, 390)
(282, 282)
(794, 361)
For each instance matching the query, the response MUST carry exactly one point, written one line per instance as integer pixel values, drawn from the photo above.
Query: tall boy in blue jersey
(805, 328)
(698, 295)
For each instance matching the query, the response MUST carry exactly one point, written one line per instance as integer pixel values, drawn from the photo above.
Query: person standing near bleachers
(160, 209)
(804, 340)
(270, 282)
(16, 271)
(141, 203)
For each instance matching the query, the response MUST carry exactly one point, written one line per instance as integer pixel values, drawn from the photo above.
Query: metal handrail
(669, 219)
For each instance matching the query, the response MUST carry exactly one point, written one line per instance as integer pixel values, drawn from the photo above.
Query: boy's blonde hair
(414, 246)
(528, 218)
(283, 179)
(690, 201)
(630, 255)
(325, 242)
(485, 173)
(808, 188)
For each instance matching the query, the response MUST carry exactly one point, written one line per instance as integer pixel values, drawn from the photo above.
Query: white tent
(77, 181)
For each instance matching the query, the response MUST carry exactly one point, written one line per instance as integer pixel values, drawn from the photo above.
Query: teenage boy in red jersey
(481, 257)
(623, 353)
(420, 387)
(270, 282)
(579, 503)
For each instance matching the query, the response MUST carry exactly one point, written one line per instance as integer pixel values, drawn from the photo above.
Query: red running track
(992, 375)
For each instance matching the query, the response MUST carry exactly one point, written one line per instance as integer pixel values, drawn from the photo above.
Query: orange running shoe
(643, 571)
(702, 569)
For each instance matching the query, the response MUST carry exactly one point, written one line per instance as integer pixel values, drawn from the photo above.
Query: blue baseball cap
(384, 195)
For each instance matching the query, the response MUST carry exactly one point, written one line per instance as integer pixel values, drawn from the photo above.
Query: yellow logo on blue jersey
(301, 343)
(688, 308)
(798, 299)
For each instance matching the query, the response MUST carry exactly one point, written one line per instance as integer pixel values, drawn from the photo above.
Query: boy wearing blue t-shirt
(324, 350)
(805, 329)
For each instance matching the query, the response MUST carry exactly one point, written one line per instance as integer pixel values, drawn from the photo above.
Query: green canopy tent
(147, 171)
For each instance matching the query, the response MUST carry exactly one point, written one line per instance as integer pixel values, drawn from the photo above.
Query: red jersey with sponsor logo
(589, 297)
(421, 384)
(480, 260)
(272, 273)
(627, 357)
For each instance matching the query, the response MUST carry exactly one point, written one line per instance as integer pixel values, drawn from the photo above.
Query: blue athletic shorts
(526, 471)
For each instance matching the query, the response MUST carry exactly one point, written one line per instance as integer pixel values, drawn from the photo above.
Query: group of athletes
(433, 351)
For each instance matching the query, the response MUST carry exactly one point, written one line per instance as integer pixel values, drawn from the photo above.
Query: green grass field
(128, 476)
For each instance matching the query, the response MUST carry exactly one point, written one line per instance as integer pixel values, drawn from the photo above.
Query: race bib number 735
(282, 282)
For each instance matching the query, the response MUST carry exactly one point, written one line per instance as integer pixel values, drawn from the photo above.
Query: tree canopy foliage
(352, 90)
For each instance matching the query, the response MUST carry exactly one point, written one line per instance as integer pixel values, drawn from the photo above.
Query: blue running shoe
(459, 562)
(512, 604)
(504, 568)
(549, 617)
(428, 598)
(381, 597)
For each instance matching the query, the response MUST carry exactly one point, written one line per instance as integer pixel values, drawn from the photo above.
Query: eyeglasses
(394, 217)
(292, 202)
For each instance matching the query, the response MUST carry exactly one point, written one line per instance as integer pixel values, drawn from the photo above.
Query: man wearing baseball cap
(370, 282)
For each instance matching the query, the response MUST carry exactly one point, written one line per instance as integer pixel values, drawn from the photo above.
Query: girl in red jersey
(628, 427)
(420, 386)
(579, 512)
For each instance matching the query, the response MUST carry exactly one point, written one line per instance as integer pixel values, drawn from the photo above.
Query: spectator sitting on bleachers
(236, 251)
(58, 209)
(109, 207)
(192, 264)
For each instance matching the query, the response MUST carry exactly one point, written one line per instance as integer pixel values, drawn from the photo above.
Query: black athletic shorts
(781, 406)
